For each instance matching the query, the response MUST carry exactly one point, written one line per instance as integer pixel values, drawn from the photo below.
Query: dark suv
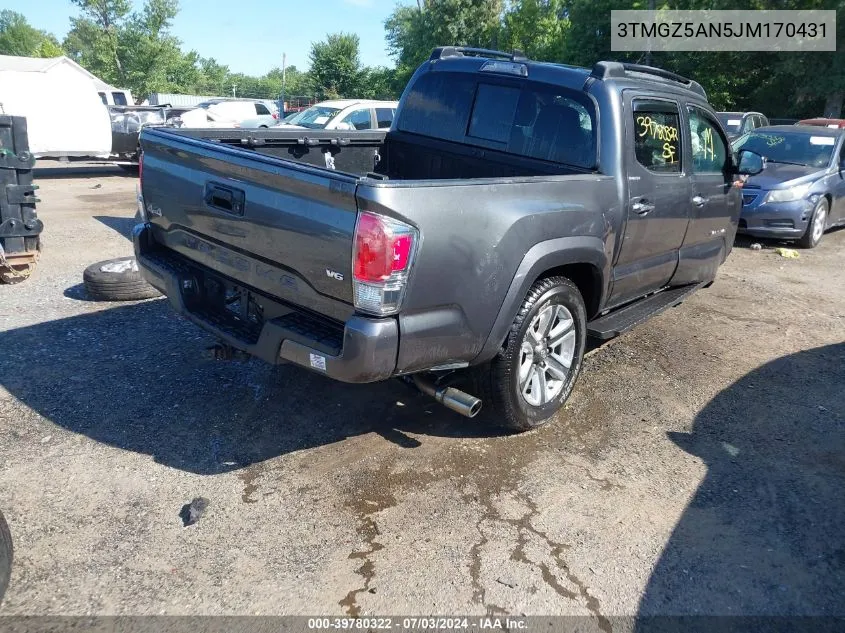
(513, 209)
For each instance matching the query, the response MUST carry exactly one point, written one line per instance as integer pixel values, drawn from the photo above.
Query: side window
(747, 125)
(384, 116)
(103, 98)
(709, 150)
(657, 142)
(260, 108)
(119, 98)
(360, 119)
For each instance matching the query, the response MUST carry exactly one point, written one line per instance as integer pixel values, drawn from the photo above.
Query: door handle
(699, 201)
(642, 207)
(224, 198)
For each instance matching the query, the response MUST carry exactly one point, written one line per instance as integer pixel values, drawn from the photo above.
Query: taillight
(381, 259)
(140, 168)
(275, 115)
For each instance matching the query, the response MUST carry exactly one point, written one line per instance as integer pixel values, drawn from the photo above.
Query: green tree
(150, 57)
(536, 27)
(376, 83)
(93, 38)
(413, 31)
(18, 37)
(133, 50)
(335, 65)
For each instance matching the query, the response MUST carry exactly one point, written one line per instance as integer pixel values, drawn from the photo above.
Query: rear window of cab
(528, 119)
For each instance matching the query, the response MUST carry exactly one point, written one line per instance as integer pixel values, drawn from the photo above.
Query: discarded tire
(5, 555)
(117, 280)
(16, 273)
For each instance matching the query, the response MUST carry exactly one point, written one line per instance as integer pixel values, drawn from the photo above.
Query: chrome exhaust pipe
(451, 398)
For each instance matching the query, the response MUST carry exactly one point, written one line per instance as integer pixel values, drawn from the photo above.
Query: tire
(119, 281)
(507, 403)
(5, 555)
(816, 226)
(16, 273)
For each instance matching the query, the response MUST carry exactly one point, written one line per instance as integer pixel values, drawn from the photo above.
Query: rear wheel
(5, 555)
(817, 225)
(532, 377)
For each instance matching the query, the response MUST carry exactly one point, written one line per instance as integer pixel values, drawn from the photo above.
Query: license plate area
(229, 307)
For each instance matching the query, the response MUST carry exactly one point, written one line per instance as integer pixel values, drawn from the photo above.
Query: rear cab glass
(530, 119)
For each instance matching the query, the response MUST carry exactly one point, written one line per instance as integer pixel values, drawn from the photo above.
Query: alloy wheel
(546, 354)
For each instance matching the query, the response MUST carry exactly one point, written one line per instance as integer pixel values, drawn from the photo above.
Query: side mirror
(750, 163)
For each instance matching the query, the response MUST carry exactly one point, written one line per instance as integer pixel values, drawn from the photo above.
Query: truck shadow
(135, 377)
(763, 534)
(121, 225)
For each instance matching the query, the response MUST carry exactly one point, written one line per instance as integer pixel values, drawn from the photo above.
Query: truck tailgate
(282, 227)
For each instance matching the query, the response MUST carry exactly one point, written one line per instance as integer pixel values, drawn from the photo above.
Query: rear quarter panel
(475, 235)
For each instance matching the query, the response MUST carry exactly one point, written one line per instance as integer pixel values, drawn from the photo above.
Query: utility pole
(648, 52)
(234, 90)
(282, 96)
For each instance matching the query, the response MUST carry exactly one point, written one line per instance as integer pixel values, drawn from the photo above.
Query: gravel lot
(698, 468)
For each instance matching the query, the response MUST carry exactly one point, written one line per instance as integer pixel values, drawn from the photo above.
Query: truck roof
(622, 75)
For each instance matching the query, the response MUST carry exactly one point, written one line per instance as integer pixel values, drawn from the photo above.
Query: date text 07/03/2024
(417, 623)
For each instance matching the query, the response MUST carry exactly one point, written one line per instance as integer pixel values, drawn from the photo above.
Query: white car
(247, 112)
(202, 118)
(344, 114)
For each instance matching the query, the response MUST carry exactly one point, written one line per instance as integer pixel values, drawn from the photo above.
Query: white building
(63, 104)
(66, 67)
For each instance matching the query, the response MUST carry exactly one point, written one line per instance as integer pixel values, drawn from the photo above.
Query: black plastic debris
(192, 512)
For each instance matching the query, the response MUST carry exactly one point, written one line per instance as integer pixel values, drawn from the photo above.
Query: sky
(249, 36)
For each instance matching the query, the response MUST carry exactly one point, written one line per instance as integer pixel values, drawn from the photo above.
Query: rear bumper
(358, 351)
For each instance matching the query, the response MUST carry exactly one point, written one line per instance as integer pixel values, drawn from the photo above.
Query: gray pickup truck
(513, 209)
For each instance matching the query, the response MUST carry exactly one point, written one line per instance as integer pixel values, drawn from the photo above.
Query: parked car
(345, 114)
(739, 123)
(203, 118)
(246, 112)
(126, 124)
(823, 122)
(801, 192)
(116, 97)
(482, 238)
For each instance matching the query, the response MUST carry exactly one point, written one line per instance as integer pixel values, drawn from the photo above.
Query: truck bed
(379, 154)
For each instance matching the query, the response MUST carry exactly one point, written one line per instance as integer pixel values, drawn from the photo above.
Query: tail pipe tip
(451, 398)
